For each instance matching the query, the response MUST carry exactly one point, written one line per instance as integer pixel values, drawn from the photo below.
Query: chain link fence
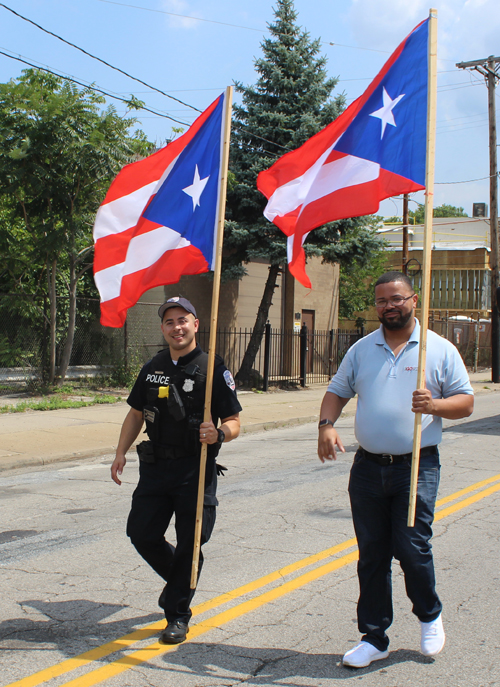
(25, 339)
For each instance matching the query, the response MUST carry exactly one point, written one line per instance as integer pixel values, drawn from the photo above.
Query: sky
(193, 49)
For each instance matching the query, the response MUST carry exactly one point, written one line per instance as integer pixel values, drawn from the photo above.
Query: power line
(85, 52)
(447, 130)
(182, 16)
(478, 114)
(158, 114)
(467, 181)
(355, 47)
(444, 88)
(147, 109)
(188, 90)
(240, 26)
(234, 26)
(92, 88)
(94, 57)
(31, 61)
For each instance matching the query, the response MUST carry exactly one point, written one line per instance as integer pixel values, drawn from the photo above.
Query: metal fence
(472, 337)
(284, 357)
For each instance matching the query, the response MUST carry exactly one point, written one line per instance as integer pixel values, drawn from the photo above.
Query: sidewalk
(36, 438)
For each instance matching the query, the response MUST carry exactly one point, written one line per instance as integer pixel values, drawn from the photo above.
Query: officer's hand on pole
(208, 433)
(328, 440)
(117, 468)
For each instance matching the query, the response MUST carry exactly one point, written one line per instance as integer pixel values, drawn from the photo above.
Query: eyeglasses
(397, 300)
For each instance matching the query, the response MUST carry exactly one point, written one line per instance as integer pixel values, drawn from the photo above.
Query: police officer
(169, 396)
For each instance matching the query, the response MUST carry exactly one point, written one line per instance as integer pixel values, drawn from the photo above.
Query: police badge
(188, 385)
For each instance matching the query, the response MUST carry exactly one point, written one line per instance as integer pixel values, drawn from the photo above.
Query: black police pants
(167, 488)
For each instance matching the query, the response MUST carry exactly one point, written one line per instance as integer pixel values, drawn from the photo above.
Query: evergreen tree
(290, 102)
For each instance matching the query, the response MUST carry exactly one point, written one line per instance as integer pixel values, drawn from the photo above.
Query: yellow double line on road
(483, 489)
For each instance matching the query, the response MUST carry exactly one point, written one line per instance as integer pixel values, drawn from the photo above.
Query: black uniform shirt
(224, 400)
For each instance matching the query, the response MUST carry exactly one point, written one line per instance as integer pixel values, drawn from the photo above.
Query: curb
(278, 424)
(13, 463)
(33, 461)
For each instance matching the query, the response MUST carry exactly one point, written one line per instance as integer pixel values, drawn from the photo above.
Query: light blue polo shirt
(385, 384)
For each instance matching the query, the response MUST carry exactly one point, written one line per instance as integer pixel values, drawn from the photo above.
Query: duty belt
(391, 459)
(169, 452)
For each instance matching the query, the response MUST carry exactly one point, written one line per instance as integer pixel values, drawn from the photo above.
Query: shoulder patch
(229, 380)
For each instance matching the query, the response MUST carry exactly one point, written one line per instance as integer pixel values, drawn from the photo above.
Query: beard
(396, 323)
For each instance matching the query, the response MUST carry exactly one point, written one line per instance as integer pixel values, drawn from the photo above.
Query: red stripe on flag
(354, 201)
(168, 270)
(112, 250)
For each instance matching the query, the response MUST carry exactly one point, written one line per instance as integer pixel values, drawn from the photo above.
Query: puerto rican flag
(159, 218)
(375, 149)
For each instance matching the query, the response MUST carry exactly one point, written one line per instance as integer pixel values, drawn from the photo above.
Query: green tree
(439, 211)
(359, 273)
(290, 102)
(59, 151)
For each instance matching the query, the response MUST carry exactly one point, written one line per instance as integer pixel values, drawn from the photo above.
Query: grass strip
(57, 404)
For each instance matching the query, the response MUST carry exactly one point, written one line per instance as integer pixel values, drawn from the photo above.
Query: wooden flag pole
(426, 263)
(207, 415)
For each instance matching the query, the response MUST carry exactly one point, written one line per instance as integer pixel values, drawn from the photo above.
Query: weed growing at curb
(57, 404)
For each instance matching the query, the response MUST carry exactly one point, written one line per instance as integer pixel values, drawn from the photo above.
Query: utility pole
(488, 68)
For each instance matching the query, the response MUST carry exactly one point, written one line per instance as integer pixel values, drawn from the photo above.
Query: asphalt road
(277, 597)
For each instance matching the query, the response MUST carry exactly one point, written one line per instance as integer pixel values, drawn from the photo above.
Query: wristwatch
(324, 423)
(220, 436)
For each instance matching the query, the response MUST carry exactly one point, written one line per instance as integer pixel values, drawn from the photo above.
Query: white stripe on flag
(289, 248)
(109, 281)
(143, 251)
(290, 196)
(320, 180)
(123, 213)
(289, 245)
(342, 173)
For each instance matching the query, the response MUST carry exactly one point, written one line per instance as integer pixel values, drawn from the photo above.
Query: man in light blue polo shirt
(382, 370)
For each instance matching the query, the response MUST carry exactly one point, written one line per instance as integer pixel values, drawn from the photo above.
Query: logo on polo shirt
(411, 369)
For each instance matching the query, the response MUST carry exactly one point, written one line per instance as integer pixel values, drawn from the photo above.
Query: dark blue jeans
(379, 502)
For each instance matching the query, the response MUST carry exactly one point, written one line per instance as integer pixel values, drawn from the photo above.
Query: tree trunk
(51, 278)
(70, 335)
(245, 372)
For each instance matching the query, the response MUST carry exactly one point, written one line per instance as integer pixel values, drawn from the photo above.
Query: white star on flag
(385, 112)
(196, 188)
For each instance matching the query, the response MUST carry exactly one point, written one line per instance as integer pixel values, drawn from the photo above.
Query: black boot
(174, 633)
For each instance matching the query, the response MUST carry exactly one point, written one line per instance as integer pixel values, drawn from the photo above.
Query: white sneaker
(362, 655)
(432, 637)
